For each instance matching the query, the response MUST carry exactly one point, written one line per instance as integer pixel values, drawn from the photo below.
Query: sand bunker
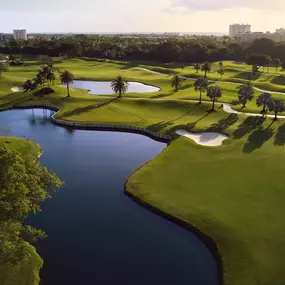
(206, 139)
(17, 89)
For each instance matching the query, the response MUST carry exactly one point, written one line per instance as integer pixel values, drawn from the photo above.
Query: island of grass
(28, 272)
(233, 193)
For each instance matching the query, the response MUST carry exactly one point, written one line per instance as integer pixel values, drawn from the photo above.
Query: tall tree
(197, 67)
(120, 85)
(276, 106)
(245, 94)
(263, 100)
(176, 82)
(221, 72)
(214, 92)
(201, 85)
(277, 63)
(221, 65)
(26, 184)
(67, 78)
(3, 68)
(206, 67)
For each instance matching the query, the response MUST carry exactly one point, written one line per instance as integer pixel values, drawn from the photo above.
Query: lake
(96, 234)
(104, 88)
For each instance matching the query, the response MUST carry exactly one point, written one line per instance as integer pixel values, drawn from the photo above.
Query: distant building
(280, 31)
(250, 37)
(236, 29)
(20, 35)
(2, 37)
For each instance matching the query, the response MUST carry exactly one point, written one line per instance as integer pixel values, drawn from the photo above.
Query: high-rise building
(1, 37)
(236, 29)
(280, 31)
(20, 35)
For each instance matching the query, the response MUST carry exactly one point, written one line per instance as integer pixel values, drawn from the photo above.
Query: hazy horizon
(94, 16)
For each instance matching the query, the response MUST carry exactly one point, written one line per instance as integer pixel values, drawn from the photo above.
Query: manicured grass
(233, 193)
(28, 273)
(23, 146)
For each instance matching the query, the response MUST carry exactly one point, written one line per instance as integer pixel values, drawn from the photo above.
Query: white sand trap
(206, 139)
(17, 89)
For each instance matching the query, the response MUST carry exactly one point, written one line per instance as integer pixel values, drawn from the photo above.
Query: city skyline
(92, 16)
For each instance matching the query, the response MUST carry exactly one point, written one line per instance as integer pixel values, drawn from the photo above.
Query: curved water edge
(210, 139)
(104, 87)
(207, 240)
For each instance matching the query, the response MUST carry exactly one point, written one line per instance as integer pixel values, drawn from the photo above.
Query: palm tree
(197, 67)
(277, 63)
(221, 72)
(120, 85)
(263, 100)
(245, 94)
(50, 77)
(67, 77)
(176, 82)
(206, 67)
(276, 106)
(221, 65)
(201, 85)
(3, 68)
(214, 92)
(28, 86)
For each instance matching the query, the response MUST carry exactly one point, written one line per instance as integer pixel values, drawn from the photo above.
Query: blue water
(104, 88)
(96, 234)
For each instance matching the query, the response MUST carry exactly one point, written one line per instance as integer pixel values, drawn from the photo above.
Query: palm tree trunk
(200, 97)
(275, 116)
(120, 93)
(176, 87)
(205, 76)
(213, 107)
(67, 85)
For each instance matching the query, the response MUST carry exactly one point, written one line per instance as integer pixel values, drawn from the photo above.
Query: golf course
(232, 192)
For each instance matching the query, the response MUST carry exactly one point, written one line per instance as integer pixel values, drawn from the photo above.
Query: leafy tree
(201, 85)
(3, 68)
(276, 106)
(245, 94)
(214, 92)
(263, 100)
(276, 63)
(257, 60)
(120, 85)
(176, 82)
(24, 184)
(206, 67)
(197, 67)
(67, 77)
(50, 77)
(221, 72)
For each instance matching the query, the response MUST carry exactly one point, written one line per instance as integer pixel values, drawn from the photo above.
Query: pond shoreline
(207, 240)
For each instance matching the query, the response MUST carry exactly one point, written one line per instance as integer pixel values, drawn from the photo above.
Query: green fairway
(233, 193)
(28, 273)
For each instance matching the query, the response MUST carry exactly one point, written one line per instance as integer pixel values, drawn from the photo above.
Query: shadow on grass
(249, 125)
(248, 75)
(279, 139)
(258, 138)
(224, 123)
(279, 80)
(161, 95)
(159, 126)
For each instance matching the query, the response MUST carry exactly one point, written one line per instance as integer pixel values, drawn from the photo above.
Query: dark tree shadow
(279, 139)
(279, 80)
(249, 125)
(161, 95)
(224, 123)
(159, 126)
(257, 139)
(248, 75)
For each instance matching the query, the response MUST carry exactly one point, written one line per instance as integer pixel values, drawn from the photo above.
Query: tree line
(167, 49)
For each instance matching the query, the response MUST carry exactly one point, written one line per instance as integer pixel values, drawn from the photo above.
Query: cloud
(186, 6)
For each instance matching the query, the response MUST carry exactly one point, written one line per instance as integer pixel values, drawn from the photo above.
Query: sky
(77, 16)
